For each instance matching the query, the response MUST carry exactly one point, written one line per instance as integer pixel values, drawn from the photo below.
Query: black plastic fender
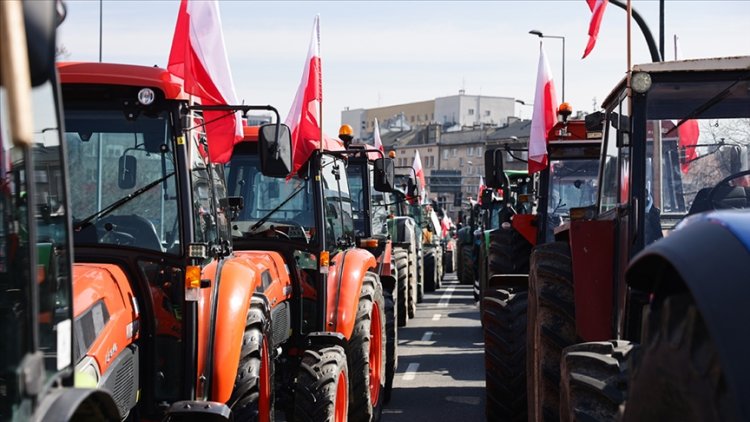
(71, 404)
(714, 266)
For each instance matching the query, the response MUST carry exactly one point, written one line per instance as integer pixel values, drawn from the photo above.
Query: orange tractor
(330, 330)
(168, 313)
(36, 317)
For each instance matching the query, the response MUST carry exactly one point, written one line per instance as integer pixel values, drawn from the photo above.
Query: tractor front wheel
(322, 393)
(467, 264)
(401, 258)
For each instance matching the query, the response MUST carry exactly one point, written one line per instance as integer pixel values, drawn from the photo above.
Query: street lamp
(541, 35)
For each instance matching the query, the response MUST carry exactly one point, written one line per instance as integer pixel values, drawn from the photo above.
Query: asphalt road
(441, 360)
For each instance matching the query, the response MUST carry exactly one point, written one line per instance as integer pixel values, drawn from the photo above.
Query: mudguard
(345, 277)
(103, 301)
(402, 230)
(526, 225)
(61, 405)
(711, 259)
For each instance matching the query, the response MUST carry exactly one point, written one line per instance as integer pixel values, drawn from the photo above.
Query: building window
(412, 119)
(445, 154)
(471, 112)
(432, 116)
(455, 151)
(429, 149)
(461, 162)
(486, 112)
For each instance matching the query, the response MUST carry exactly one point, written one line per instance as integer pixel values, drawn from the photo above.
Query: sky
(385, 53)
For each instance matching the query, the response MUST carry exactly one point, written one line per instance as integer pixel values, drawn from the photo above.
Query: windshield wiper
(120, 202)
(270, 213)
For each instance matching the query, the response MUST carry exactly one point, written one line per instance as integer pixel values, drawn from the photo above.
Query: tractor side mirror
(487, 198)
(127, 172)
(493, 167)
(384, 173)
(41, 20)
(275, 150)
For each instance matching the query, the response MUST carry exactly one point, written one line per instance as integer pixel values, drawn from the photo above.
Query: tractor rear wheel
(430, 270)
(252, 396)
(509, 252)
(366, 354)
(413, 283)
(467, 264)
(322, 393)
(593, 380)
(504, 321)
(551, 326)
(401, 259)
(678, 374)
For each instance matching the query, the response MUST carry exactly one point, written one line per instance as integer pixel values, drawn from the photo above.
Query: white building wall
(470, 110)
(357, 119)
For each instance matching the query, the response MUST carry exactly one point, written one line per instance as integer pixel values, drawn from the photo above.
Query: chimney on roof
(461, 92)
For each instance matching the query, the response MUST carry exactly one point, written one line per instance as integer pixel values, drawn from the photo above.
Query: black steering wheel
(724, 183)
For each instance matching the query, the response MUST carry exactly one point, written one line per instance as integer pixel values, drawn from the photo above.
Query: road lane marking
(411, 372)
(427, 335)
(436, 317)
(446, 298)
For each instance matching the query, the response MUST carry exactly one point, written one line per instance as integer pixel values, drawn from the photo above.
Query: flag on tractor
(304, 116)
(544, 116)
(376, 133)
(597, 12)
(688, 133)
(198, 56)
(417, 166)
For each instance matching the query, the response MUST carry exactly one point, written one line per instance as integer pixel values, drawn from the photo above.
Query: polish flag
(417, 166)
(688, 134)
(378, 141)
(544, 115)
(198, 56)
(597, 12)
(304, 116)
(480, 188)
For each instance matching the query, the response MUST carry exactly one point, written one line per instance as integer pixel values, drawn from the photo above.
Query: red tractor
(37, 323)
(172, 321)
(671, 149)
(566, 183)
(330, 330)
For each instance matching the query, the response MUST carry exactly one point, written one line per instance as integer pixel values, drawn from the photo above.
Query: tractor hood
(736, 221)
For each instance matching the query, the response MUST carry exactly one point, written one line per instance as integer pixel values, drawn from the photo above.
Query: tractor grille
(281, 323)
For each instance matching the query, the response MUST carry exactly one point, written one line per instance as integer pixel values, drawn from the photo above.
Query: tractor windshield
(703, 131)
(572, 185)
(273, 207)
(122, 182)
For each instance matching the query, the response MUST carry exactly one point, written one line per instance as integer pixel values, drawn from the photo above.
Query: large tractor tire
(322, 393)
(401, 259)
(439, 268)
(551, 327)
(467, 264)
(391, 344)
(414, 274)
(677, 375)
(430, 270)
(593, 380)
(509, 252)
(366, 354)
(421, 276)
(252, 396)
(504, 320)
(480, 282)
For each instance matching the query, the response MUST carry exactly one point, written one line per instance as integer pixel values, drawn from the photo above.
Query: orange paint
(342, 305)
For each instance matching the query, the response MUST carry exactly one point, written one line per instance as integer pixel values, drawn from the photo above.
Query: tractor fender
(238, 279)
(62, 404)
(711, 260)
(526, 224)
(345, 279)
(103, 301)
(403, 230)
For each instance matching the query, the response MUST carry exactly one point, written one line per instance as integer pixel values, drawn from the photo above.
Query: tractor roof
(123, 74)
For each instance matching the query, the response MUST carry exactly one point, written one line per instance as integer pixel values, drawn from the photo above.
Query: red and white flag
(597, 11)
(198, 56)
(417, 166)
(304, 116)
(544, 116)
(688, 133)
(376, 133)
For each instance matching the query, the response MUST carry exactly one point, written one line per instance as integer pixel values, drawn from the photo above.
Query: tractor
(365, 168)
(330, 334)
(39, 329)
(175, 323)
(528, 218)
(651, 334)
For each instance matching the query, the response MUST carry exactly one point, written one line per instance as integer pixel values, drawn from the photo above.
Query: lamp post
(541, 35)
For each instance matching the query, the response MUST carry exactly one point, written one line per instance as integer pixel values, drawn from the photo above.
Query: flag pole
(628, 74)
(320, 66)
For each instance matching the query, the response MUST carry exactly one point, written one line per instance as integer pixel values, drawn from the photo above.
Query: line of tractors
(612, 285)
(142, 281)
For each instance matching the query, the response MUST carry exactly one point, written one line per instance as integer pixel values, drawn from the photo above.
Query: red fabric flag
(417, 166)
(597, 11)
(544, 115)
(304, 116)
(198, 56)
(688, 137)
